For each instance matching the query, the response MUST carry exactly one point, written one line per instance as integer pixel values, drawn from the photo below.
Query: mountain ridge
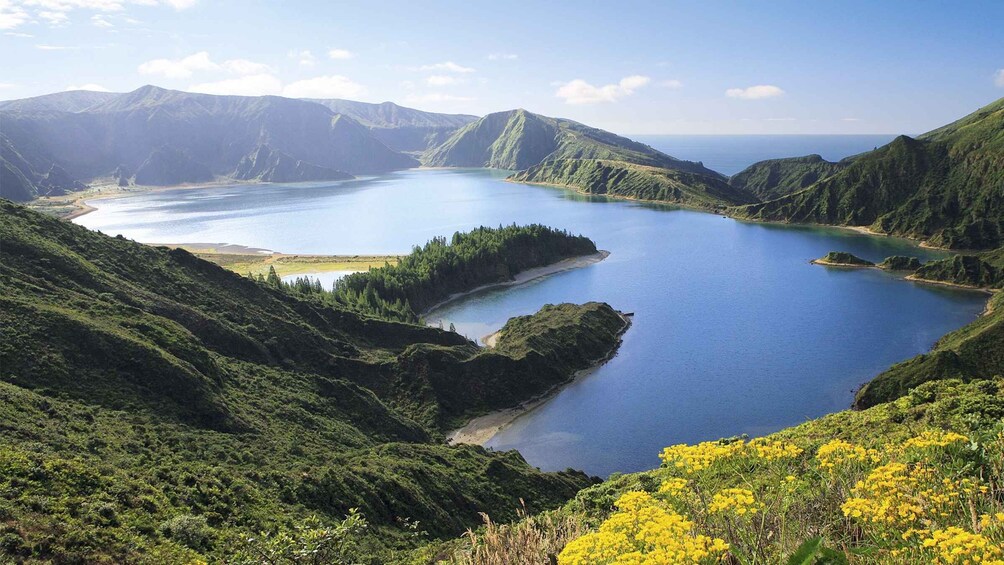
(945, 187)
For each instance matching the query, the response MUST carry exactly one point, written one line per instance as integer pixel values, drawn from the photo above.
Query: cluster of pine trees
(442, 267)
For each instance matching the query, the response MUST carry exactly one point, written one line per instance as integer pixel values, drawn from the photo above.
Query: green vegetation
(843, 259)
(945, 187)
(900, 263)
(626, 180)
(157, 408)
(517, 139)
(915, 480)
(979, 270)
(775, 178)
(430, 274)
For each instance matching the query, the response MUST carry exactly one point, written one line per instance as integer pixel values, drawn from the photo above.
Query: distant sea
(729, 154)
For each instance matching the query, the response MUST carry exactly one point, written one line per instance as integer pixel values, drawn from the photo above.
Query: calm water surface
(734, 331)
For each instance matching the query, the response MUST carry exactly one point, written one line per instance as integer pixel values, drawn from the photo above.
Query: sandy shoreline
(527, 276)
(916, 279)
(483, 428)
(845, 265)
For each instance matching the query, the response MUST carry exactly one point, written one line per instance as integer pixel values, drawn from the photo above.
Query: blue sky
(631, 67)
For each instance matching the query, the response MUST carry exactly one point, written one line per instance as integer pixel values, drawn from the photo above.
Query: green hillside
(946, 187)
(626, 180)
(158, 408)
(775, 178)
(517, 139)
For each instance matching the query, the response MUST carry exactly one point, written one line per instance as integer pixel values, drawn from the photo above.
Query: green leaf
(806, 552)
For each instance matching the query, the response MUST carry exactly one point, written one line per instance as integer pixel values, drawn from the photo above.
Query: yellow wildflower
(738, 501)
(954, 545)
(838, 452)
(693, 458)
(934, 438)
(642, 532)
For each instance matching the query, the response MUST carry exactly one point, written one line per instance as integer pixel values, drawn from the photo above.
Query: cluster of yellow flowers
(772, 450)
(643, 532)
(955, 546)
(890, 494)
(738, 501)
(934, 438)
(694, 458)
(673, 486)
(838, 452)
(911, 507)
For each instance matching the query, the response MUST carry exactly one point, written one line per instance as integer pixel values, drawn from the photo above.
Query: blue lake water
(734, 331)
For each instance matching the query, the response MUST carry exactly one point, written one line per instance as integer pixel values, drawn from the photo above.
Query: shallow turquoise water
(734, 331)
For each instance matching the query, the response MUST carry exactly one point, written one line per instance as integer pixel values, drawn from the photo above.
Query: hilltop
(946, 187)
(517, 140)
(400, 128)
(775, 178)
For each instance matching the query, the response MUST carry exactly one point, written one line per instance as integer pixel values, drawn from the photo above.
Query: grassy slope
(947, 186)
(775, 178)
(626, 180)
(141, 384)
(517, 139)
(258, 264)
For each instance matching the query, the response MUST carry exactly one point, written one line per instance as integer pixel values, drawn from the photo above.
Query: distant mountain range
(56, 143)
(946, 186)
(400, 128)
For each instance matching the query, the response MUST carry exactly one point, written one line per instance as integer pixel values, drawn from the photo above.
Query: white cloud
(579, 91)
(754, 92)
(331, 86)
(245, 67)
(671, 84)
(17, 34)
(97, 20)
(503, 57)
(199, 62)
(250, 85)
(89, 86)
(179, 68)
(850, 119)
(448, 66)
(54, 18)
(443, 80)
(11, 15)
(780, 119)
(436, 97)
(408, 84)
(50, 47)
(340, 54)
(303, 56)
(999, 78)
(14, 13)
(7, 85)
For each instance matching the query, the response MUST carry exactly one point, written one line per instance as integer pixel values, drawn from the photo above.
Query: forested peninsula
(441, 268)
